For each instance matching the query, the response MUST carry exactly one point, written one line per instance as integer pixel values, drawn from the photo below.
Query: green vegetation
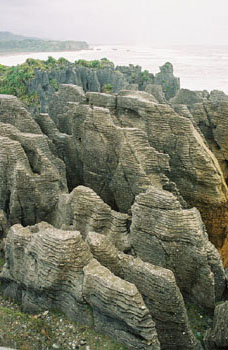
(145, 76)
(14, 80)
(102, 63)
(107, 88)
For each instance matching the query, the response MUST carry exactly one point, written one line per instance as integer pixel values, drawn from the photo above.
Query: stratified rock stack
(209, 115)
(46, 267)
(124, 244)
(31, 177)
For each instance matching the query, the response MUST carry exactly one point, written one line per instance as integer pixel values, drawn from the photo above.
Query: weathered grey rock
(156, 91)
(165, 78)
(117, 163)
(85, 211)
(216, 338)
(43, 270)
(50, 268)
(109, 295)
(218, 96)
(164, 234)
(31, 177)
(62, 146)
(186, 97)
(158, 288)
(194, 168)
(133, 87)
(13, 112)
(101, 100)
(66, 93)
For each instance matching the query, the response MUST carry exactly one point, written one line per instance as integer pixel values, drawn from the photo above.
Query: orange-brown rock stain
(216, 222)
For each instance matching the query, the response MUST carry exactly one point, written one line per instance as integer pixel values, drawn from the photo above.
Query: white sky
(119, 21)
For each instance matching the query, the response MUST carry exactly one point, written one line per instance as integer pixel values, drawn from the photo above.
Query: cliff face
(102, 77)
(117, 181)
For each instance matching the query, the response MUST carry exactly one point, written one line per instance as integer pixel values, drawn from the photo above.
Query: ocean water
(199, 67)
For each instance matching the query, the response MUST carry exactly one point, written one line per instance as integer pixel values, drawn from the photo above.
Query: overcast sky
(119, 21)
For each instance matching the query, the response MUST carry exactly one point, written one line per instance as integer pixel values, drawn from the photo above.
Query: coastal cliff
(113, 206)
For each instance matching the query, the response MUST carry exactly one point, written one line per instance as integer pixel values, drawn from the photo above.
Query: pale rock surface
(101, 100)
(31, 177)
(117, 163)
(85, 211)
(50, 268)
(156, 91)
(157, 287)
(164, 234)
(13, 112)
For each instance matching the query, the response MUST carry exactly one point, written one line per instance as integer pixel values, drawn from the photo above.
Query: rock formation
(54, 268)
(217, 337)
(107, 202)
(209, 114)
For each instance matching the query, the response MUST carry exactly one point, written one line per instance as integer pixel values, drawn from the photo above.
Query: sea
(199, 67)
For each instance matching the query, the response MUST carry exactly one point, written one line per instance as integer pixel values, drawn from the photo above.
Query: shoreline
(16, 53)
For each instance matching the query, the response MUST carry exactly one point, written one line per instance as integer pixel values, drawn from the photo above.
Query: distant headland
(10, 42)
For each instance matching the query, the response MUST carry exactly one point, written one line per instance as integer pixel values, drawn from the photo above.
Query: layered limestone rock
(125, 242)
(50, 268)
(13, 112)
(85, 211)
(217, 337)
(194, 168)
(31, 177)
(117, 163)
(137, 131)
(118, 308)
(158, 288)
(164, 234)
(211, 118)
(165, 78)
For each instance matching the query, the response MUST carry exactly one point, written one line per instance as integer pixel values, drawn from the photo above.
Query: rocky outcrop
(96, 79)
(186, 97)
(165, 78)
(31, 177)
(194, 168)
(156, 91)
(158, 288)
(217, 337)
(116, 177)
(172, 139)
(164, 234)
(85, 211)
(124, 163)
(54, 268)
